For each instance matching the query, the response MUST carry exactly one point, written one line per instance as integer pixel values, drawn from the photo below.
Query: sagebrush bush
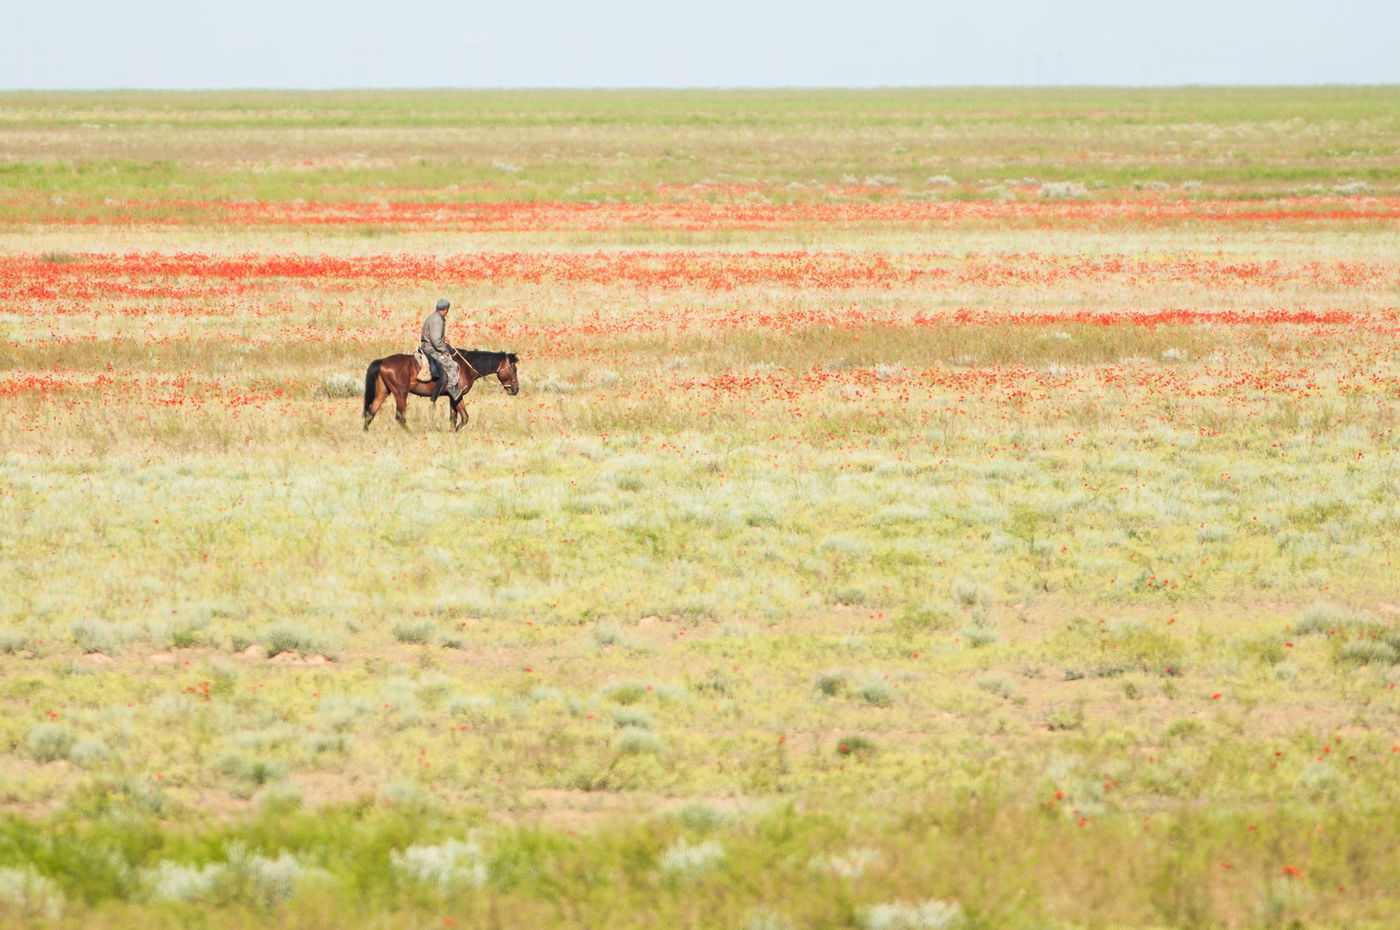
(30, 894)
(448, 866)
(415, 632)
(687, 859)
(48, 742)
(633, 740)
(930, 915)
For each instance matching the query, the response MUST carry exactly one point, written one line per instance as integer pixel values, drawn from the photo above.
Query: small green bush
(48, 742)
(636, 741)
(421, 631)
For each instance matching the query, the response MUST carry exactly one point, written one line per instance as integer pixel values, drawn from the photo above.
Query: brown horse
(398, 375)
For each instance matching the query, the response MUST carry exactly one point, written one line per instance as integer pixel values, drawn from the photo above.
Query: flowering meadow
(920, 509)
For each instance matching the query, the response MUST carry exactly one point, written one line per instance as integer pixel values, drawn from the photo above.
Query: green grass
(582, 145)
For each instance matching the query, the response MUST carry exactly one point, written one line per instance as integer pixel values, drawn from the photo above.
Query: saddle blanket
(424, 372)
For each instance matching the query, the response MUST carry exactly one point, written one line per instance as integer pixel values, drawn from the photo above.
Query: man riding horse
(435, 345)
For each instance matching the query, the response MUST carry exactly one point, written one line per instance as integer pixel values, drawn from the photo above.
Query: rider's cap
(443, 304)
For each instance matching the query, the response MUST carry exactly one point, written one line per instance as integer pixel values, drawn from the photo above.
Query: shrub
(931, 915)
(31, 894)
(342, 385)
(50, 741)
(1368, 652)
(607, 633)
(12, 641)
(250, 768)
(854, 744)
(978, 636)
(702, 817)
(876, 691)
(636, 741)
(628, 691)
(173, 881)
(87, 751)
(1318, 618)
(996, 684)
(266, 881)
(850, 864)
(447, 866)
(685, 859)
(632, 717)
(97, 636)
(421, 631)
(287, 638)
(830, 682)
(1066, 718)
(967, 592)
(1061, 189)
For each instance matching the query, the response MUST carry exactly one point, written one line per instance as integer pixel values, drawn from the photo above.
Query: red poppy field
(921, 509)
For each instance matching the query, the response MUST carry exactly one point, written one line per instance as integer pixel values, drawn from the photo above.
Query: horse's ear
(514, 360)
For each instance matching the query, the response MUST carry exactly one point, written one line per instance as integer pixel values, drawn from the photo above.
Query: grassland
(921, 509)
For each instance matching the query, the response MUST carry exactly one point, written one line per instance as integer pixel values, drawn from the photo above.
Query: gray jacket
(435, 334)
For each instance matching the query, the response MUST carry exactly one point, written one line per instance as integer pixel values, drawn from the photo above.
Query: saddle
(428, 367)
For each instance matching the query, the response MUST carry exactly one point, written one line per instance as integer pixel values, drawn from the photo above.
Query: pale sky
(173, 44)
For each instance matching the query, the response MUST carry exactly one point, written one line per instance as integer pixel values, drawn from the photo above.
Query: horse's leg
(400, 403)
(381, 394)
(459, 413)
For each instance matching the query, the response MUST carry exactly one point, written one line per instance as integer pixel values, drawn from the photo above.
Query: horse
(398, 375)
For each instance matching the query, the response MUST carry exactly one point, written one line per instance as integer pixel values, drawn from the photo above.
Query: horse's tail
(370, 377)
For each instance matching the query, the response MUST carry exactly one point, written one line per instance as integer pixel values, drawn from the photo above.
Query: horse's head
(505, 372)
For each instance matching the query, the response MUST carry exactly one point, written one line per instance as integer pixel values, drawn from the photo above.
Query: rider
(435, 344)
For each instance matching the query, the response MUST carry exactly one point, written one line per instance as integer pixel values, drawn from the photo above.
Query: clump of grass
(29, 894)
(1368, 652)
(913, 619)
(341, 384)
(415, 632)
(1066, 718)
(627, 691)
(87, 751)
(1062, 189)
(468, 705)
(632, 741)
(12, 641)
(1213, 533)
(686, 859)
(176, 881)
(264, 881)
(447, 866)
(702, 817)
(849, 864)
(996, 684)
(979, 634)
(405, 795)
(49, 742)
(854, 744)
(607, 633)
(288, 638)
(1146, 648)
(278, 798)
(876, 691)
(831, 682)
(967, 592)
(100, 636)
(1319, 618)
(253, 769)
(930, 915)
(632, 717)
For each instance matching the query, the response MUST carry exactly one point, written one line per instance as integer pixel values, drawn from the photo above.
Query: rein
(461, 357)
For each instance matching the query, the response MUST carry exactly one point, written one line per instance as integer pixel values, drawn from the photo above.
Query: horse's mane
(486, 362)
